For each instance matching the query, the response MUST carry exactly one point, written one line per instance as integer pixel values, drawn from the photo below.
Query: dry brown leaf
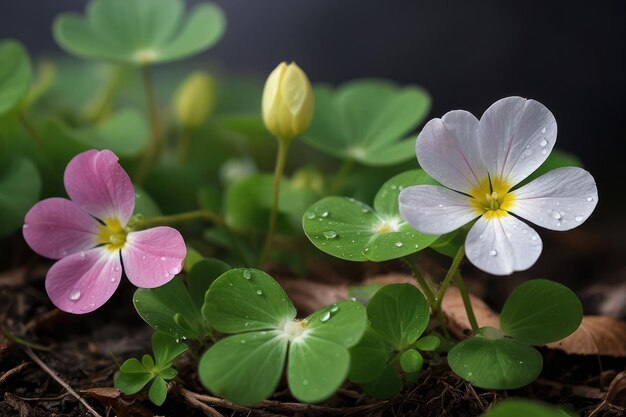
(111, 398)
(597, 335)
(309, 296)
(454, 311)
(616, 395)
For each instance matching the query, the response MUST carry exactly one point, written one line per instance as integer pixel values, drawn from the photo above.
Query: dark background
(567, 55)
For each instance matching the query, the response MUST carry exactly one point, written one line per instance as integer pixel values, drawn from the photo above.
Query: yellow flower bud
(288, 101)
(194, 99)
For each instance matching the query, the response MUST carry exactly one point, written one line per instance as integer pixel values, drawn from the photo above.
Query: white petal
(435, 210)
(516, 136)
(447, 149)
(559, 200)
(502, 245)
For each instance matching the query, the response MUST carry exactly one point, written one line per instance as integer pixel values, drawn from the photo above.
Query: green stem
(341, 176)
(178, 218)
(154, 144)
(29, 128)
(424, 285)
(100, 105)
(456, 262)
(183, 145)
(467, 303)
(283, 150)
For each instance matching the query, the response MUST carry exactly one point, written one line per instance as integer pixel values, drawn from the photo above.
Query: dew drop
(543, 130)
(578, 218)
(310, 215)
(247, 274)
(174, 271)
(330, 234)
(74, 294)
(493, 252)
(163, 258)
(527, 153)
(143, 257)
(259, 292)
(82, 254)
(555, 214)
(243, 341)
(439, 205)
(589, 198)
(116, 268)
(543, 152)
(325, 316)
(543, 142)
(305, 382)
(534, 237)
(417, 246)
(469, 374)
(398, 244)
(113, 279)
(334, 309)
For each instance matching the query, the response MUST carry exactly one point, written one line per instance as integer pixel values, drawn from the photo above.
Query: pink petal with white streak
(152, 257)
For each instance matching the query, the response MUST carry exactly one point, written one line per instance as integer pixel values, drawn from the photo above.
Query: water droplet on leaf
(330, 234)
(398, 244)
(325, 316)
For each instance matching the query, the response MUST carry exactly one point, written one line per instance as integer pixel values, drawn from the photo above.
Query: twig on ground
(58, 379)
(13, 371)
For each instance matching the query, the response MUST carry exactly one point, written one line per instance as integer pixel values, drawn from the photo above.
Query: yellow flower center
(492, 198)
(112, 234)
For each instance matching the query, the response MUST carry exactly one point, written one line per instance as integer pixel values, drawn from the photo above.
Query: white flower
(480, 163)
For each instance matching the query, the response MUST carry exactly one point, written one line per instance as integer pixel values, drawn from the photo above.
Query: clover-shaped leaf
(20, 186)
(541, 311)
(366, 121)
(15, 74)
(138, 31)
(537, 312)
(246, 367)
(349, 229)
(525, 408)
(174, 308)
(134, 374)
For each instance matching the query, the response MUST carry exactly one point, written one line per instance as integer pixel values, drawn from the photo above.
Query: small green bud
(195, 99)
(288, 101)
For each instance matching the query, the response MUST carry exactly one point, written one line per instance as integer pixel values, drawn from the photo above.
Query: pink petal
(82, 282)
(56, 227)
(99, 185)
(153, 256)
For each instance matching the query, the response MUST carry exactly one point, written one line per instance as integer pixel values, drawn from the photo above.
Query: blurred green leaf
(366, 120)
(16, 74)
(139, 32)
(20, 186)
(525, 408)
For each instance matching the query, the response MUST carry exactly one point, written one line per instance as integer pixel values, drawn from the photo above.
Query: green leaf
(158, 391)
(400, 313)
(343, 323)
(15, 74)
(525, 408)
(125, 133)
(245, 368)
(202, 275)
(541, 311)
(132, 377)
(387, 385)
(317, 367)
(348, 229)
(244, 300)
(168, 373)
(166, 349)
(192, 258)
(20, 186)
(369, 357)
(495, 364)
(139, 32)
(364, 293)
(144, 204)
(428, 343)
(158, 306)
(411, 361)
(450, 243)
(366, 120)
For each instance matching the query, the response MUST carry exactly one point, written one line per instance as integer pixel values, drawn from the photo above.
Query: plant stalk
(283, 150)
(155, 141)
(184, 145)
(29, 128)
(340, 178)
(456, 262)
(178, 218)
(467, 303)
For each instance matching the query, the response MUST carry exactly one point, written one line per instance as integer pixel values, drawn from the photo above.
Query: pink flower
(90, 236)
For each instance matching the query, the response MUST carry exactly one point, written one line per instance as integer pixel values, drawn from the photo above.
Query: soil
(83, 350)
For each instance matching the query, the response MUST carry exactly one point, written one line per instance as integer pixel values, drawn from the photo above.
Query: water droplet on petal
(163, 258)
(578, 218)
(82, 254)
(325, 316)
(74, 294)
(555, 214)
(174, 271)
(543, 142)
(589, 198)
(113, 279)
(330, 234)
(493, 252)
(527, 153)
(116, 268)
(398, 244)
(543, 130)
